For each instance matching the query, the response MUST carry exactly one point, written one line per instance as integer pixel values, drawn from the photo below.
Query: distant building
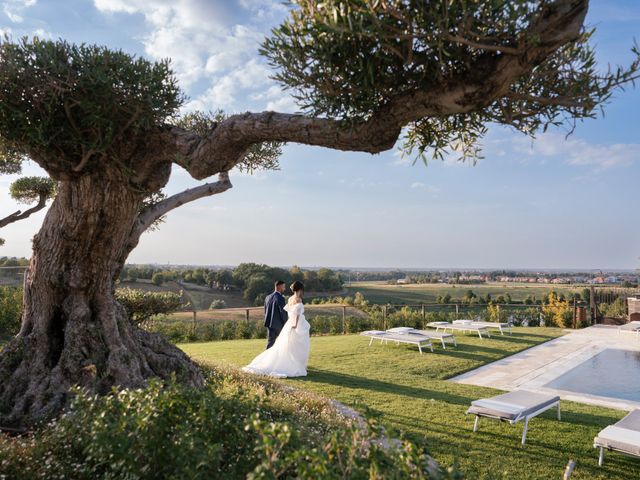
(403, 281)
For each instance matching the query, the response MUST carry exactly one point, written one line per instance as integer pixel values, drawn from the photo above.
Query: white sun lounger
(631, 327)
(623, 437)
(513, 407)
(441, 336)
(461, 327)
(501, 326)
(411, 338)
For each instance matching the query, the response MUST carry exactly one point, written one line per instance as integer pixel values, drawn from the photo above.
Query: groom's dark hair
(278, 283)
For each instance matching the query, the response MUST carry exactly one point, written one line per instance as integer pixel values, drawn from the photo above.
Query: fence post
(384, 317)
(575, 313)
(457, 312)
(498, 312)
(592, 305)
(424, 313)
(247, 314)
(195, 319)
(344, 319)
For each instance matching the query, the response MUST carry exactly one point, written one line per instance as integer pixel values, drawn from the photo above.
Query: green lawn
(427, 293)
(410, 393)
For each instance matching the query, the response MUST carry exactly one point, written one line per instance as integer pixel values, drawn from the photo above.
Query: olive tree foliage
(26, 190)
(143, 305)
(84, 106)
(106, 127)
(360, 60)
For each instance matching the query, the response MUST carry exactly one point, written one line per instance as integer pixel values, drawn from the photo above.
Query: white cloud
(15, 8)
(578, 152)
(43, 34)
(212, 42)
(225, 89)
(428, 188)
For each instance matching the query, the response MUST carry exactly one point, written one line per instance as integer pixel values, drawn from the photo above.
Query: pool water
(611, 373)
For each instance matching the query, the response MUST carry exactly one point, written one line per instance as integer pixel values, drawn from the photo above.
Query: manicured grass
(427, 293)
(411, 394)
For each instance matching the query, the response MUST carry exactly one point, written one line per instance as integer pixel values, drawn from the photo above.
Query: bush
(529, 317)
(617, 309)
(236, 427)
(557, 311)
(10, 310)
(217, 304)
(142, 305)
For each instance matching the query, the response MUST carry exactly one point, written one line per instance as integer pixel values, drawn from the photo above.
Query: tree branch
(488, 79)
(20, 215)
(483, 46)
(149, 216)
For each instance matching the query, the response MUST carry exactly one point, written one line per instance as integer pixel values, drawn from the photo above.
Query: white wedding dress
(289, 354)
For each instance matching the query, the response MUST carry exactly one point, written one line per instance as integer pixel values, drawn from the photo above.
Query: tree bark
(73, 330)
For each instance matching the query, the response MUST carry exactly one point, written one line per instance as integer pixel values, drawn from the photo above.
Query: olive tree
(27, 190)
(104, 125)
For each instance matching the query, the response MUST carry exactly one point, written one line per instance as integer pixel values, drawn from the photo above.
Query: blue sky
(548, 203)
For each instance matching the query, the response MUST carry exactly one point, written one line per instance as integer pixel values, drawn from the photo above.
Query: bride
(289, 354)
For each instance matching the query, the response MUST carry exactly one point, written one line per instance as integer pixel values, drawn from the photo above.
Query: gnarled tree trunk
(73, 330)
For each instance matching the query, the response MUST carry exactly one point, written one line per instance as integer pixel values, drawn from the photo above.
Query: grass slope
(410, 393)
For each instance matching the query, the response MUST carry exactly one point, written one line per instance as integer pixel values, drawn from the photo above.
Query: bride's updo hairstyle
(297, 286)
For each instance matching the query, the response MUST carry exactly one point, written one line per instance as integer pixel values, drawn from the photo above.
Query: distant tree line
(13, 262)
(253, 279)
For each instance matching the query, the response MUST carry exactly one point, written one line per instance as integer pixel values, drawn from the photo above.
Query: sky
(549, 203)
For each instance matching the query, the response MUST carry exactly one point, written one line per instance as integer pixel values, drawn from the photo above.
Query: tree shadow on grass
(522, 339)
(459, 440)
(369, 384)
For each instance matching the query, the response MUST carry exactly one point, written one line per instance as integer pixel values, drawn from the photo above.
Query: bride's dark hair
(296, 286)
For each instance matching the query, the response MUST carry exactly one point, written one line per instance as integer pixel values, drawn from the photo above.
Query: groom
(275, 315)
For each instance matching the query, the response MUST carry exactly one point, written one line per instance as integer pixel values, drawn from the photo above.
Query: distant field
(380, 292)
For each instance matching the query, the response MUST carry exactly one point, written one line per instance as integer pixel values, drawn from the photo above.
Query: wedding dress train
(289, 354)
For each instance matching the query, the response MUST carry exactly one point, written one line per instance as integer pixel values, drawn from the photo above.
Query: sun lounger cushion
(512, 405)
(623, 436)
(401, 330)
(632, 326)
(373, 332)
(463, 322)
(434, 334)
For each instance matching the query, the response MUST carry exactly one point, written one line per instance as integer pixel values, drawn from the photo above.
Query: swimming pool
(611, 373)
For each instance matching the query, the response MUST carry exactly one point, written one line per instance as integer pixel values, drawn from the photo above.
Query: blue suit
(275, 316)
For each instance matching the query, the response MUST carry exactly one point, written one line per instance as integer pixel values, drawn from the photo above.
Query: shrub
(617, 309)
(142, 305)
(236, 427)
(557, 311)
(217, 303)
(493, 313)
(10, 310)
(528, 317)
